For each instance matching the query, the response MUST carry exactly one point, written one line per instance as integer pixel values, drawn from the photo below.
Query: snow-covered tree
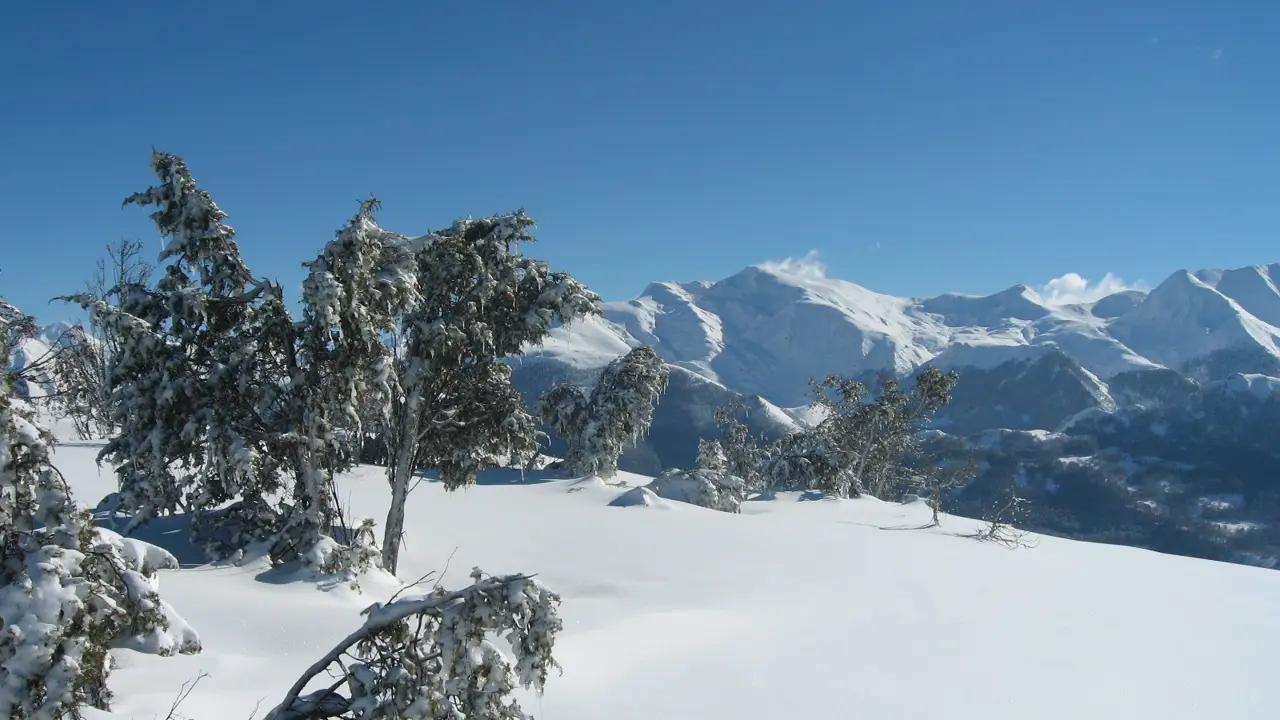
(82, 368)
(437, 657)
(68, 590)
(858, 446)
(362, 282)
(221, 397)
(480, 300)
(197, 380)
(736, 452)
(935, 476)
(619, 410)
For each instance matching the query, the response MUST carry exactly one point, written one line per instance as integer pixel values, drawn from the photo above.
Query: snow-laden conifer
(618, 411)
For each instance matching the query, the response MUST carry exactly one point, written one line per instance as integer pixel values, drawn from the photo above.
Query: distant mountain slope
(766, 332)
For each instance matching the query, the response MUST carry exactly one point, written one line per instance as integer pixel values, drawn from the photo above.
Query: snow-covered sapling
(82, 370)
(939, 476)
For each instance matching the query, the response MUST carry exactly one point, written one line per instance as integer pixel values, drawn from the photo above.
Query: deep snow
(795, 608)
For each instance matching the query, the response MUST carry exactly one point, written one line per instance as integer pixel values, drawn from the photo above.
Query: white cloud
(1216, 54)
(808, 266)
(1074, 288)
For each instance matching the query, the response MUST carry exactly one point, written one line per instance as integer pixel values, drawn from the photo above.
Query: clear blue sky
(919, 147)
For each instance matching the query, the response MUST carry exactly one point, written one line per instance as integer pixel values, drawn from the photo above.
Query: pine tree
(68, 591)
(618, 411)
(480, 301)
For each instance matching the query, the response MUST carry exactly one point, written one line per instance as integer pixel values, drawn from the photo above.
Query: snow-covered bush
(438, 657)
(706, 488)
(68, 590)
(130, 569)
(348, 560)
(598, 426)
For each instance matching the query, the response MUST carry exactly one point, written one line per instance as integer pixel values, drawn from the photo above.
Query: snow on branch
(435, 656)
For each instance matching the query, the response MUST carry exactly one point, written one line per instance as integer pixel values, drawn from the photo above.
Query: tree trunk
(399, 473)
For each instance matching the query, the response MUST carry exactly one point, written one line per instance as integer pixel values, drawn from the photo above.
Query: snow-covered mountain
(764, 331)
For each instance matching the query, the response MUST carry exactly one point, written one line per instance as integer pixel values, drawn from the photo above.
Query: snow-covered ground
(796, 608)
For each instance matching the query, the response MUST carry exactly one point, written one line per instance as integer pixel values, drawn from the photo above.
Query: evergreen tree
(618, 411)
(455, 410)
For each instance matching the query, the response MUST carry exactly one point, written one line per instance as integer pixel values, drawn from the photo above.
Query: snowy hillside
(818, 609)
(764, 331)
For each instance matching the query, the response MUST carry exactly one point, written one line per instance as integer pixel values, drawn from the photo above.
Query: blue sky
(917, 147)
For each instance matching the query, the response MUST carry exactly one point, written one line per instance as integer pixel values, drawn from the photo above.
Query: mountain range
(1164, 402)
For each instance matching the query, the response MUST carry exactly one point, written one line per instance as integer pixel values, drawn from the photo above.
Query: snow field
(795, 608)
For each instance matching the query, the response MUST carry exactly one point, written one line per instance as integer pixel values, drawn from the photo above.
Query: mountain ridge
(765, 331)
